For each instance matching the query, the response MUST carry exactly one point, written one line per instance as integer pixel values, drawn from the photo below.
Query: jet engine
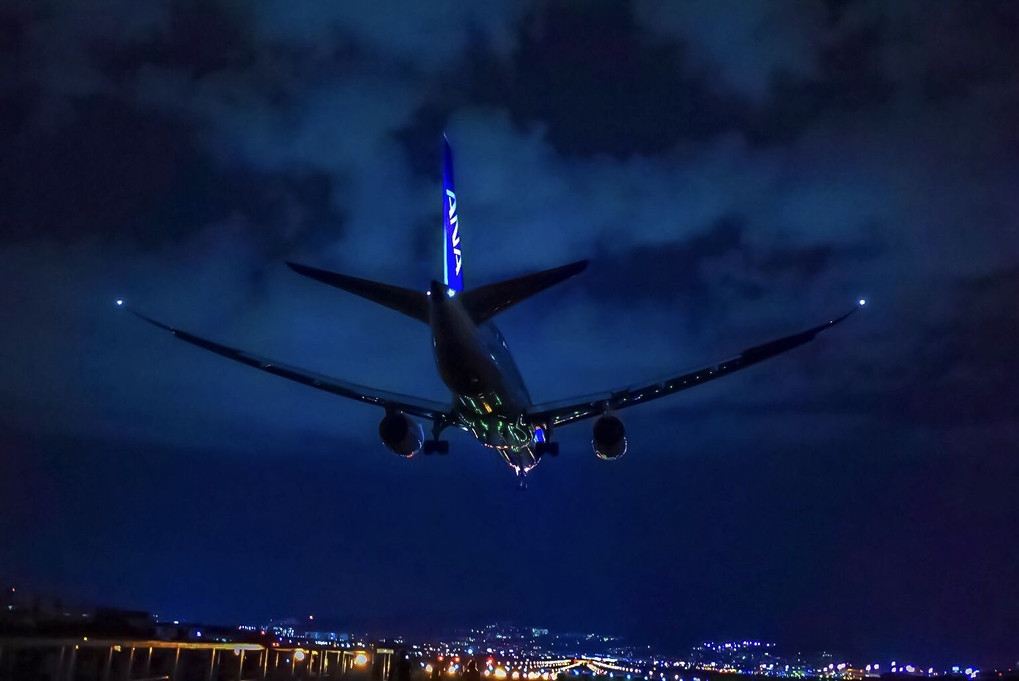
(609, 439)
(401, 434)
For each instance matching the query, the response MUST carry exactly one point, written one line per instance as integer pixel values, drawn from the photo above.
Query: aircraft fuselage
(489, 394)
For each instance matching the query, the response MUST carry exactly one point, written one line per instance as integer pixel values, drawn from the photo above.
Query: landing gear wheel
(543, 448)
(436, 447)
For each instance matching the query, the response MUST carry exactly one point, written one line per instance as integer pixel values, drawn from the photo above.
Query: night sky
(735, 171)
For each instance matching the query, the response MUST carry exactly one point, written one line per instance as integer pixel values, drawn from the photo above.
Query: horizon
(425, 629)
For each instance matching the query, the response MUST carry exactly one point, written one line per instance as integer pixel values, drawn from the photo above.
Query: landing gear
(435, 445)
(543, 448)
(521, 481)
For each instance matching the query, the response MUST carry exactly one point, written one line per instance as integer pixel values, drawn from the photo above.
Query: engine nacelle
(609, 439)
(401, 434)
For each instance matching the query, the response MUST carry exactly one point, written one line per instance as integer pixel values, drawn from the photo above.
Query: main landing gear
(435, 445)
(543, 448)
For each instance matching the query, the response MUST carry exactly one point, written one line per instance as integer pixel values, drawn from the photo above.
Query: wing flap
(566, 411)
(416, 406)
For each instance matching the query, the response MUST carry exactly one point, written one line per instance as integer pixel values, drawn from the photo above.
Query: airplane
(488, 395)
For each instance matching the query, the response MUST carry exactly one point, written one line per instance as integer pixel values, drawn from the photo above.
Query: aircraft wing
(566, 411)
(416, 406)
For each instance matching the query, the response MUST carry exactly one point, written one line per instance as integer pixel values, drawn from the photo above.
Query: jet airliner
(488, 395)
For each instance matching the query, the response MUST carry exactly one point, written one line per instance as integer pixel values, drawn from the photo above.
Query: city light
(299, 655)
(361, 659)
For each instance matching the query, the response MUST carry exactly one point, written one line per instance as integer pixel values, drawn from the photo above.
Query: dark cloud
(124, 172)
(733, 172)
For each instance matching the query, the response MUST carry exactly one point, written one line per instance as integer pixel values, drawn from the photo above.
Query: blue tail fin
(452, 264)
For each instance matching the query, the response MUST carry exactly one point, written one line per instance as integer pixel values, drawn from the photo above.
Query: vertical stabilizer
(452, 264)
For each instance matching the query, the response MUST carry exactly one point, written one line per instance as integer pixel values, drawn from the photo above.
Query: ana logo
(455, 234)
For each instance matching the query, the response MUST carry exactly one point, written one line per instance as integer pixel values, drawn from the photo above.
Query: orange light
(360, 659)
(299, 655)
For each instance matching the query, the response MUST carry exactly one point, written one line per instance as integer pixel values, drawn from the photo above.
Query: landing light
(862, 302)
(120, 302)
(450, 292)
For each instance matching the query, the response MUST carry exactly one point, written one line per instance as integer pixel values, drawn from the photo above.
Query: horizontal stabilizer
(486, 302)
(409, 302)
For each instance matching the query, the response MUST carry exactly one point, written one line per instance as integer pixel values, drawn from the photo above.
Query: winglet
(452, 262)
